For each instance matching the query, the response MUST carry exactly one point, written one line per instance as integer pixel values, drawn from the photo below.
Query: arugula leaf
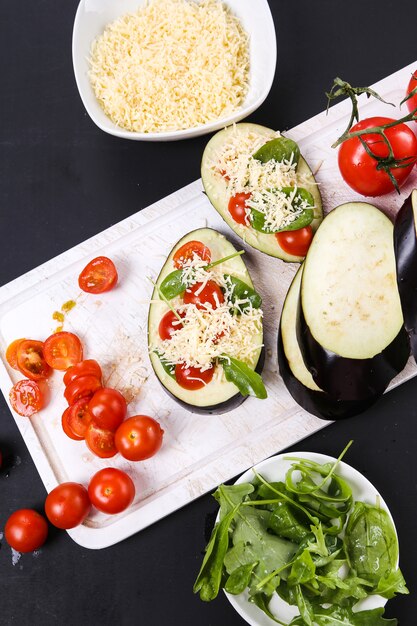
(261, 600)
(344, 616)
(239, 579)
(391, 584)
(279, 149)
(246, 379)
(302, 570)
(304, 606)
(228, 496)
(288, 522)
(241, 291)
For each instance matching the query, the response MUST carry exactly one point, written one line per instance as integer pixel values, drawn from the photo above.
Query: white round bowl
(93, 16)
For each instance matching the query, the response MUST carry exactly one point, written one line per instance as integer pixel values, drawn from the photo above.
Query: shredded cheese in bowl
(172, 65)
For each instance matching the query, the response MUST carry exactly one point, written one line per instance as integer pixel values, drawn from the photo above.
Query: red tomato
(139, 438)
(66, 427)
(79, 417)
(100, 441)
(67, 505)
(11, 353)
(63, 350)
(185, 254)
(169, 323)
(98, 276)
(296, 242)
(82, 387)
(26, 530)
(237, 206)
(31, 360)
(412, 102)
(26, 397)
(111, 490)
(192, 377)
(108, 408)
(89, 367)
(359, 170)
(209, 296)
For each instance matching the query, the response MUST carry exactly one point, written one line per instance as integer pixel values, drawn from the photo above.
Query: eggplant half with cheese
(205, 330)
(350, 325)
(262, 187)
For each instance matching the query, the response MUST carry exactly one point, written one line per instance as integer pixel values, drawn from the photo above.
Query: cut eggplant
(216, 186)
(296, 376)
(405, 246)
(349, 321)
(219, 395)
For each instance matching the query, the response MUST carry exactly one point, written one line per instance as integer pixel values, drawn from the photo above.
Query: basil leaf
(169, 368)
(172, 285)
(239, 579)
(241, 291)
(246, 379)
(305, 218)
(279, 149)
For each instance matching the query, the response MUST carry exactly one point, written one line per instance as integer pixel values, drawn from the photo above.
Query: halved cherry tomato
(67, 505)
(79, 417)
(111, 490)
(202, 297)
(26, 530)
(192, 377)
(26, 397)
(412, 85)
(100, 441)
(89, 367)
(139, 437)
(169, 323)
(108, 408)
(237, 206)
(66, 427)
(11, 353)
(81, 387)
(63, 350)
(98, 276)
(185, 254)
(296, 242)
(31, 360)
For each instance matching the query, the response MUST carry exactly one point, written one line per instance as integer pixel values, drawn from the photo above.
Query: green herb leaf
(239, 579)
(279, 149)
(257, 217)
(241, 291)
(389, 585)
(169, 368)
(173, 285)
(228, 496)
(302, 570)
(261, 600)
(246, 379)
(344, 616)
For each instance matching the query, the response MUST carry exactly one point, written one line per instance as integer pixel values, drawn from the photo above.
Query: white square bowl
(94, 15)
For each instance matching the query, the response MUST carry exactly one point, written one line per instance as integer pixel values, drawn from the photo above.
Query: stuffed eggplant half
(205, 329)
(263, 188)
(350, 326)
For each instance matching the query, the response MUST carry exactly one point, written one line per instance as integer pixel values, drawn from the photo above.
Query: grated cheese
(172, 65)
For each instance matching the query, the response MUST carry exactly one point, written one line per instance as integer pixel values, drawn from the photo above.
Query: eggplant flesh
(405, 247)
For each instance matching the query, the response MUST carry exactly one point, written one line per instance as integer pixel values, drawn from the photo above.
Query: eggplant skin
(405, 248)
(223, 407)
(351, 379)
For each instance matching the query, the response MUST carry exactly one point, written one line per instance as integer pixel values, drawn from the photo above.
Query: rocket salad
(306, 539)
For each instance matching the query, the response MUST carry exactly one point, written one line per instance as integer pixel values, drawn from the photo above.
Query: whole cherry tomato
(26, 530)
(169, 323)
(100, 442)
(31, 360)
(26, 397)
(139, 437)
(208, 296)
(89, 367)
(98, 276)
(67, 505)
(192, 377)
(186, 253)
(296, 242)
(412, 86)
(237, 208)
(62, 350)
(111, 490)
(108, 408)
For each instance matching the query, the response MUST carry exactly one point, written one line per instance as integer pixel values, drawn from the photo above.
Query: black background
(63, 180)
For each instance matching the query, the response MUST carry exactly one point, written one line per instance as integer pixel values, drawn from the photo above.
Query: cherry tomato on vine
(168, 324)
(11, 353)
(296, 242)
(139, 437)
(89, 367)
(185, 254)
(111, 490)
(412, 85)
(26, 397)
(78, 417)
(359, 169)
(192, 377)
(81, 387)
(67, 505)
(210, 295)
(237, 205)
(108, 408)
(100, 442)
(26, 530)
(63, 350)
(31, 359)
(98, 276)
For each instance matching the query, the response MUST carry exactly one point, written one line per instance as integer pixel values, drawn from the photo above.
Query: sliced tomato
(81, 387)
(63, 350)
(66, 427)
(98, 276)
(192, 378)
(31, 360)
(11, 353)
(79, 417)
(296, 242)
(237, 207)
(100, 441)
(26, 397)
(203, 297)
(89, 367)
(186, 253)
(169, 323)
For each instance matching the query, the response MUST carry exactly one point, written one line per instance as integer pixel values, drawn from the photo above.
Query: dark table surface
(62, 180)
